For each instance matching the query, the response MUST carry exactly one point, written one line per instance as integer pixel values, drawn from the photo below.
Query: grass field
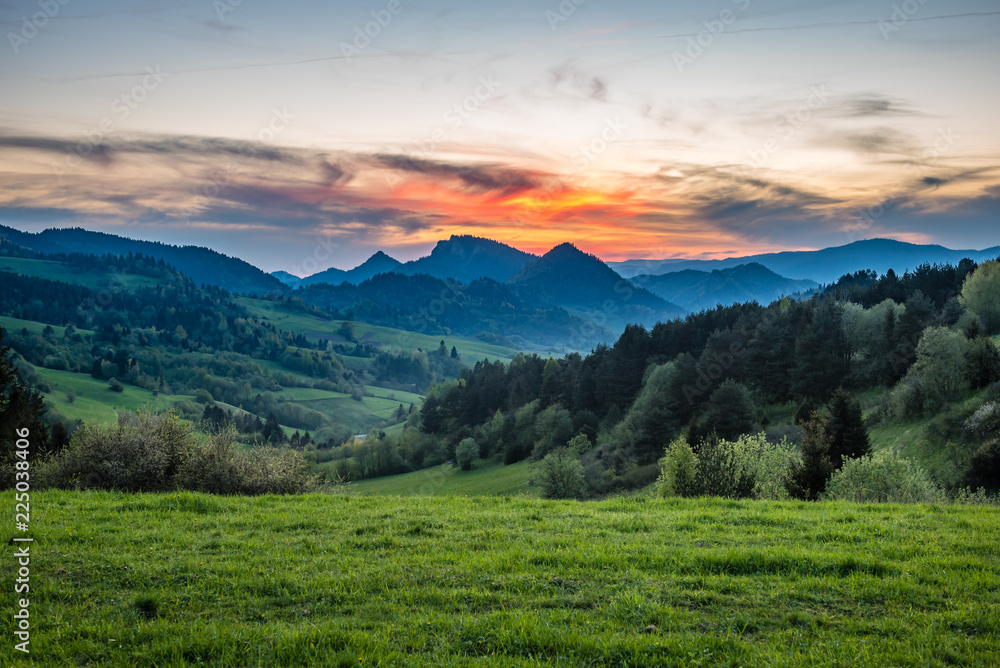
(185, 579)
(487, 478)
(94, 401)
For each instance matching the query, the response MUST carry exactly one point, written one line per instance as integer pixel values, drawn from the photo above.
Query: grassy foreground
(187, 579)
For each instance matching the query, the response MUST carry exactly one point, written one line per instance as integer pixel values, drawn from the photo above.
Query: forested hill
(484, 308)
(202, 265)
(721, 372)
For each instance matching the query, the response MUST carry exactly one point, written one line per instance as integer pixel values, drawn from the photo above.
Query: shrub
(883, 478)
(765, 463)
(141, 453)
(115, 385)
(466, 451)
(678, 471)
(750, 466)
(561, 475)
(153, 453)
(219, 468)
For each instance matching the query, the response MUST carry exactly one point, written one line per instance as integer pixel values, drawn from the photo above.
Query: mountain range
(824, 266)
(609, 294)
(698, 290)
(463, 258)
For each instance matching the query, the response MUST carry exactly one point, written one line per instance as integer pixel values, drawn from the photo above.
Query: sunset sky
(281, 132)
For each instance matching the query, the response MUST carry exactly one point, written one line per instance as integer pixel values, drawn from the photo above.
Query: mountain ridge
(825, 265)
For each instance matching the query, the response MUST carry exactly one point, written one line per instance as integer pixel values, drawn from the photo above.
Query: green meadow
(186, 579)
(94, 401)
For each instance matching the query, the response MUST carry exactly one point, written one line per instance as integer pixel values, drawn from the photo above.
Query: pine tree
(848, 435)
(20, 408)
(272, 431)
(807, 479)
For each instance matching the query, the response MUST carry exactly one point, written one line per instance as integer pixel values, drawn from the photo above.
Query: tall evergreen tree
(807, 479)
(20, 408)
(849, 438)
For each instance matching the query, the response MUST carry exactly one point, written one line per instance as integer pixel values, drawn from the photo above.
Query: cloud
(866, 105)
(480, 178)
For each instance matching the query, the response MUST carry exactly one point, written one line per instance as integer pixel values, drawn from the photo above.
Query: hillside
(823, 266)
(698, 290)
(151, 579)
(202, 265)
(484, 309)
(570, 278)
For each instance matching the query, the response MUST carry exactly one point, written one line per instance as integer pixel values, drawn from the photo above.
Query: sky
(304, 135)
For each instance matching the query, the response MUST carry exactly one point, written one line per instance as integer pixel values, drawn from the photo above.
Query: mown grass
(487, 478)
(187, 579)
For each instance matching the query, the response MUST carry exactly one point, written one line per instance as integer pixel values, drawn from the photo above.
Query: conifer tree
(807, 479)
(849, 438)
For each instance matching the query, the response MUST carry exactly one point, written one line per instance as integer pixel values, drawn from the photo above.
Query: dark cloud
(333, 173)
(105, 150)
(878, 140)
(867, 105)
(481, 178)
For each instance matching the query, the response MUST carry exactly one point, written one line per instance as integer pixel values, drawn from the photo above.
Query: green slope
(94, 401)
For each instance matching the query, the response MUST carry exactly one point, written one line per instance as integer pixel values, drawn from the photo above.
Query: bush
(678, 471)
(141, 453)
(750, 466)
(466, 452)
(561, 475)
(720, 473)
(115, 385)
(764, 463)
(883, 478)
(155, 453)
(219, 468)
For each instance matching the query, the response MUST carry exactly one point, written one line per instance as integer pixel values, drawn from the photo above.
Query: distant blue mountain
(824, 266)
(699, 290)
(379, 263)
